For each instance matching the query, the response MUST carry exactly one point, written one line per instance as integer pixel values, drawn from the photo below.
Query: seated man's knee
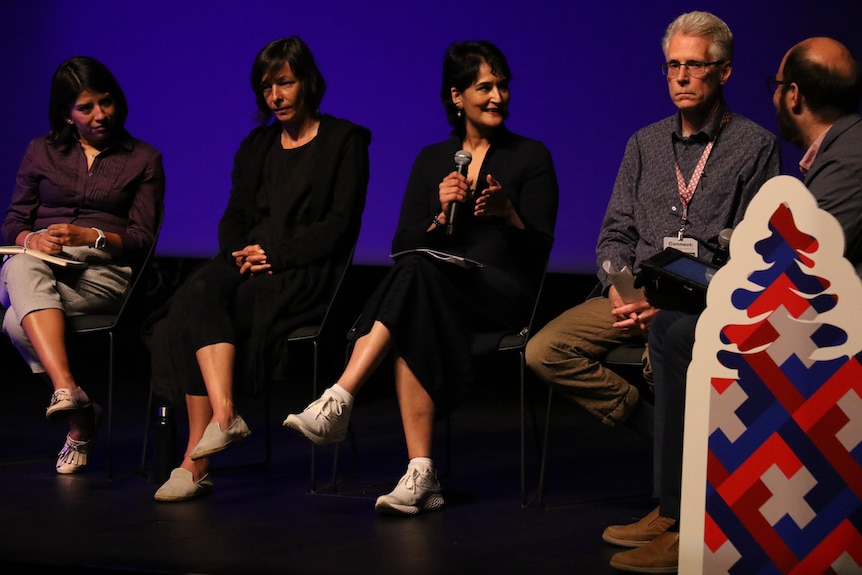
(546, 348)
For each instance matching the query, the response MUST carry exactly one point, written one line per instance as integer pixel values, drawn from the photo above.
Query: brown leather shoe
(661, 555)
(640, 533)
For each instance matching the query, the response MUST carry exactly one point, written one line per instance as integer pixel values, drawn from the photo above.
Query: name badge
(685, 245)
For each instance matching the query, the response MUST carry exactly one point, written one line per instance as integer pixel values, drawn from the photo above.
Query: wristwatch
(101, 242)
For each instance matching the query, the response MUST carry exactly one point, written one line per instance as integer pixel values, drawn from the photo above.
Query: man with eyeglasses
(682, 180)
(817, 93)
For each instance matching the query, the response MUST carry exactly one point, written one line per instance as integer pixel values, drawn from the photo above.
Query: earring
(68, 121)
(460, 113)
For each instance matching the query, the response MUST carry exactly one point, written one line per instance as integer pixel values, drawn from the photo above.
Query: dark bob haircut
(272, 59)
(461, 68)
(72, 77)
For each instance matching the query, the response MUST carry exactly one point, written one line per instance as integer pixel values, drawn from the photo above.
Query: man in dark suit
(817, 94)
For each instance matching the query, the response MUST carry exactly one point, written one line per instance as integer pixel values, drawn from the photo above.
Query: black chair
(517, 342)
(310, 334)
(626, 359)
(107, 324)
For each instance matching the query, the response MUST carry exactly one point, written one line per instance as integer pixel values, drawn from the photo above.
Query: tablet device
(685, 267)
(675, 280)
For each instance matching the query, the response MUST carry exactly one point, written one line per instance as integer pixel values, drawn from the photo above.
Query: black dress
(442, 315)
(304, 207)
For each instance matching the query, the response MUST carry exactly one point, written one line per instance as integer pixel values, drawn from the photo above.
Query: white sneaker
(416, 491)
(324, 421)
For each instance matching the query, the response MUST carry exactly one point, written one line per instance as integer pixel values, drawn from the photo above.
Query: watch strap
(101, 241)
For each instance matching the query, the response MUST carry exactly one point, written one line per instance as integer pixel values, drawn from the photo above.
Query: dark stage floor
(265, 519)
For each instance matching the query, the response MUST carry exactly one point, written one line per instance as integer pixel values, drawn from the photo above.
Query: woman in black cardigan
(294, 213)
(435, 315)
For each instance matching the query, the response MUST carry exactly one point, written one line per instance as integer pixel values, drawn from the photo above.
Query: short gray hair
(705, 25)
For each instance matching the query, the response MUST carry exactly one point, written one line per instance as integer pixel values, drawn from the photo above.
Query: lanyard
(686, 192)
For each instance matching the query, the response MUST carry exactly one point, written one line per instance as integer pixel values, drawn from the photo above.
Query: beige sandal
(75, 453)
(181, 486)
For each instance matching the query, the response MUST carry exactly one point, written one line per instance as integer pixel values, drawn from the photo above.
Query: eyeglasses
(695, 68)
(773, 84)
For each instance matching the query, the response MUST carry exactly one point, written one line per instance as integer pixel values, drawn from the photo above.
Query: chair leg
(523, 437)
(110, 404)
(354, 448)
(147, 423)
(541, 492)
(267, 425)
(447, 430)
(333, 484)
(314, 394)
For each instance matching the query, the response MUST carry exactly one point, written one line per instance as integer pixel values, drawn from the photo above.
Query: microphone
(462, 160)
(722, 253)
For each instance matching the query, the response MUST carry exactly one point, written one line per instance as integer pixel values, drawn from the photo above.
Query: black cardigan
(526, 171)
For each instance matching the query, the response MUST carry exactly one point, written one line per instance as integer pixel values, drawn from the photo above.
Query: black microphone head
(463, 158)
(722, 253)
(724, 237)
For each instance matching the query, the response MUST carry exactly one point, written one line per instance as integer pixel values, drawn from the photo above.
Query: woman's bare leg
(326, 419)
(418, 489)
(216, 363)
(46, 330)
(417, 411)
(200, 414)
(368, 352)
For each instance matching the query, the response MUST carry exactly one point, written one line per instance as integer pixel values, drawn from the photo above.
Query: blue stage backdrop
(585, 77)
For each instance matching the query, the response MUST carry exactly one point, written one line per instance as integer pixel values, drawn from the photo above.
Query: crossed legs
(416, 406)
(325, 420)
(46, 331)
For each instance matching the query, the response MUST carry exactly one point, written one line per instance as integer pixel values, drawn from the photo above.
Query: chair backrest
(518, 340)
(595, 292)
(99, 322)
(313, 330)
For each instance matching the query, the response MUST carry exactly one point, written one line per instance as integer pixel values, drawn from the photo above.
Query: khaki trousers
(568, 353)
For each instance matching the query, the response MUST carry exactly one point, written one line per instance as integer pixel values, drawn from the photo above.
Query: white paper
(624, 282)
(459, 261)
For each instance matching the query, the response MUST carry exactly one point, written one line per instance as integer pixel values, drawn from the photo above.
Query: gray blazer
(835, 179)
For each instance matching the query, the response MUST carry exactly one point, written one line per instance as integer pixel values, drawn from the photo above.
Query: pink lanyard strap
(686, 192)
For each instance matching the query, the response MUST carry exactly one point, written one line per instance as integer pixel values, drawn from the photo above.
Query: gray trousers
(28, 284)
